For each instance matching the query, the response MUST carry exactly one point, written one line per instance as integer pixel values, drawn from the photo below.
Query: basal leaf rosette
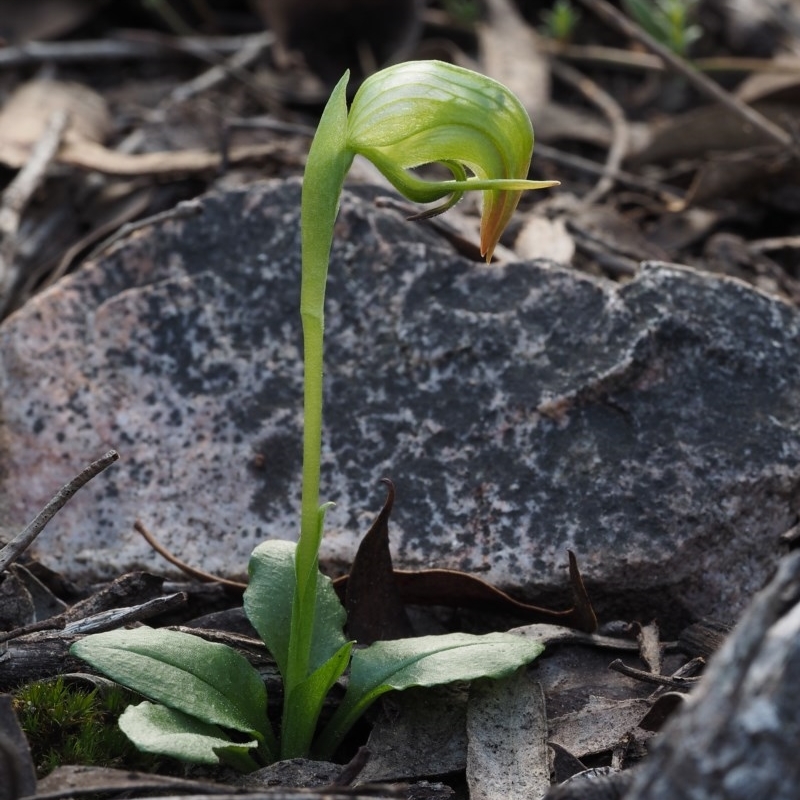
(422, 112)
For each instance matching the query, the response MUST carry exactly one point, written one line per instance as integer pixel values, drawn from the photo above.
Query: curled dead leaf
(27, 112)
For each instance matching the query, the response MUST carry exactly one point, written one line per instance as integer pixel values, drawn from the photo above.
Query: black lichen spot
(277, 473)
(247, 414)
(140, 474)
(121, 358)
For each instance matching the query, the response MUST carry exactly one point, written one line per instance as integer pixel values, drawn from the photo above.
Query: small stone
(301, 773)
(521, 409)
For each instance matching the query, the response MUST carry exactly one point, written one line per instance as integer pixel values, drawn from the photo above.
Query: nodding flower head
(421, 112)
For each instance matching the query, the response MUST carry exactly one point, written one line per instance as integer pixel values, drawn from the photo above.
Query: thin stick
(114, 618)
(128, 45)
(22, 541)
(16, 197)
(617, 19)
(776, 243)
(186, 208)
(645, 62)
(615, 115)
(573, 161)
(648, 677)
(235, 66)
(191, 571)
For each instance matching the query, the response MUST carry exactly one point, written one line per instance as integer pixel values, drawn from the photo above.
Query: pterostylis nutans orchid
(407, 115)
(206, 703)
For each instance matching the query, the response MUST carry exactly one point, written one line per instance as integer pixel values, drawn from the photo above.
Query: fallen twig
(615, 115)
(97, 158)
(234, 66)
(23, 540)
(186, 208)
(577, 162)
(645, 62)
(650, 677)
(16, 197)
(127, 45)
(773, 243)
(192, 572)
(617, 19)
(118, 617)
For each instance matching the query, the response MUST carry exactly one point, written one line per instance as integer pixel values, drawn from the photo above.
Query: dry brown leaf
(676, 232)
(613, 232)
(510, 53)
(507, 739)
(706, 130)
(741, 172)
(91, 156)
(375, 610)
(449, 587)
(599, 726)
(556, 122)
(26, 114)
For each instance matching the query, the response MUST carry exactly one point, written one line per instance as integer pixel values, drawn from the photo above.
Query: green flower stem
(402, 117)
(327, 166)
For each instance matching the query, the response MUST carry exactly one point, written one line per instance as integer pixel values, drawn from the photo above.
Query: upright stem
(408, 115)
(326, 168)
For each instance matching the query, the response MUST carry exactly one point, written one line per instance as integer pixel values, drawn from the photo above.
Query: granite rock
(521, 409)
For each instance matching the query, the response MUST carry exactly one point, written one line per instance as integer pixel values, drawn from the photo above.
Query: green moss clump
(71, 723)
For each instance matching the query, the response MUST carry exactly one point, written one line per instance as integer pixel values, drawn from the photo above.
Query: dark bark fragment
(738, 737)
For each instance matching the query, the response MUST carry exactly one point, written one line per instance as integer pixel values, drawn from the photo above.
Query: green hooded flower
(420, 112)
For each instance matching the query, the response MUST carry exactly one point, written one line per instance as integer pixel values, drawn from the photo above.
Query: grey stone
(520, 409)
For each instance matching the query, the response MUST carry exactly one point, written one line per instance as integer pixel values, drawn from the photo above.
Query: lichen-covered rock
(520, 409)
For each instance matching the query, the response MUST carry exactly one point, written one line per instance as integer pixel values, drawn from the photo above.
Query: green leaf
(424, 661)
(211, 682)
(165, 731)
(268, 604)
(433, 660)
